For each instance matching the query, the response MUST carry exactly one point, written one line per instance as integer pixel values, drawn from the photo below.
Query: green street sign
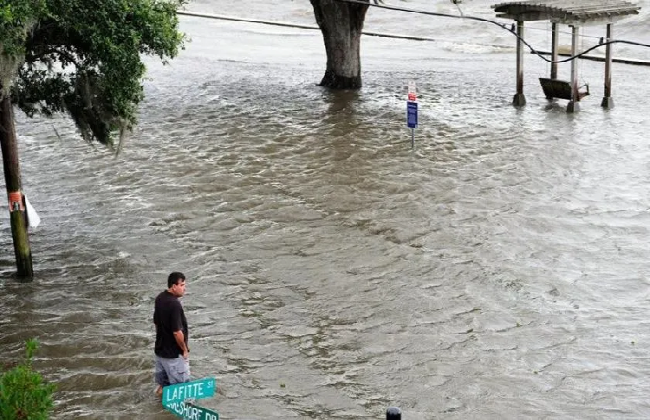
(177, 399)
(177, 393)
(188, 411)
(195, 412)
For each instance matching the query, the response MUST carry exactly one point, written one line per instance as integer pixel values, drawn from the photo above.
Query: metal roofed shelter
(574, 13)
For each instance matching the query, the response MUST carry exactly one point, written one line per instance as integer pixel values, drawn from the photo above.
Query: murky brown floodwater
(499, 270)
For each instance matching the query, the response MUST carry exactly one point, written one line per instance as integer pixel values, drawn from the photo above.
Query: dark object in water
(554, 88)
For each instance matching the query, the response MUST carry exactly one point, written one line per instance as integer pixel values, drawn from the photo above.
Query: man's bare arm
(180, 340)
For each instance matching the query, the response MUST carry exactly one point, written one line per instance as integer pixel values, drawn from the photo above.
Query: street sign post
(412, 95)
(412, 111)
(175, 399)
(202, 388)
(412, 114)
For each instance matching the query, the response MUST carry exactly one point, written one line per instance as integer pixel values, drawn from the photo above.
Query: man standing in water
(172, 352)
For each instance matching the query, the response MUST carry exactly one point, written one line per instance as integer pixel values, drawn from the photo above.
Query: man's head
(176, 284)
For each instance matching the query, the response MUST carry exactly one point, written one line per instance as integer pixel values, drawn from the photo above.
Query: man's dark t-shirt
(168, 316)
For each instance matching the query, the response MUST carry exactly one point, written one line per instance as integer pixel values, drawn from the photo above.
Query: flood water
(496, 270)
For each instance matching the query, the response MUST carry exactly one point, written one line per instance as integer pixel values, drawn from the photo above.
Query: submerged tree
(82, 57)
(341, 24)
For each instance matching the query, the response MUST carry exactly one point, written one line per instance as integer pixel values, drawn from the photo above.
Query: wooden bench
(561, 89)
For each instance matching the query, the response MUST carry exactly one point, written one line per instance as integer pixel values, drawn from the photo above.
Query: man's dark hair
(174, 278)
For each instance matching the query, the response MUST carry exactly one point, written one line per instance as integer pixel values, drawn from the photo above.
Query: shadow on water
(340, 111)
(340, 100)
(341, 131)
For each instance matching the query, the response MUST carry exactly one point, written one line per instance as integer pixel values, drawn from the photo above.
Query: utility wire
(509, 28)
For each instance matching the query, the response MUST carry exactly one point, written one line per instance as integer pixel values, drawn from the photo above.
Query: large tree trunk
(341, 24)
(9, 147)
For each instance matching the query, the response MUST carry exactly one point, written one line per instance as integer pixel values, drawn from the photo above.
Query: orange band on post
(16, 197)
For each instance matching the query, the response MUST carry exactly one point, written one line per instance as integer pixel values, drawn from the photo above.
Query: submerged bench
(561, 89)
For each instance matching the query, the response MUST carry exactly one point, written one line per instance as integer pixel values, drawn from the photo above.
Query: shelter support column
(573, 103)
(554, 50)
(520, 99)
(554, 53)
(608, 101)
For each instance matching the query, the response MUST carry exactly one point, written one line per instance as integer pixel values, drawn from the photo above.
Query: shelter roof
(567, 11)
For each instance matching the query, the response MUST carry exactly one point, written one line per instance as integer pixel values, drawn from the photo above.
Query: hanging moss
(84, 58)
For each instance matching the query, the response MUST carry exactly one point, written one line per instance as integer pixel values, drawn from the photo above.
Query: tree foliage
(84, 57)
(23, 393)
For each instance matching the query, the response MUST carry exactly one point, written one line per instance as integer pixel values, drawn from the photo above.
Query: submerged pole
(573, 103)
(554, 50)
(9, 147)
(393, 413)
(520, 99)
(608, 101)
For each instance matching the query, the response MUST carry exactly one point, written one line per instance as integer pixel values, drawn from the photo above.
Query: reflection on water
(497, 270)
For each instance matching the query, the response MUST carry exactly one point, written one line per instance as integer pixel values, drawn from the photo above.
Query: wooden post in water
(520, 99)
(554, 54)
(573, 103)
(608, 101)
(393, 413)
(9, 147)
(554, 49)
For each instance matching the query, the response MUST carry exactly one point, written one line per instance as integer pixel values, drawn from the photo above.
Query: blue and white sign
(412, 114)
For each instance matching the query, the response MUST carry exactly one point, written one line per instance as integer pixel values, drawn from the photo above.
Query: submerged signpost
(412, 111)
(175, 399)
